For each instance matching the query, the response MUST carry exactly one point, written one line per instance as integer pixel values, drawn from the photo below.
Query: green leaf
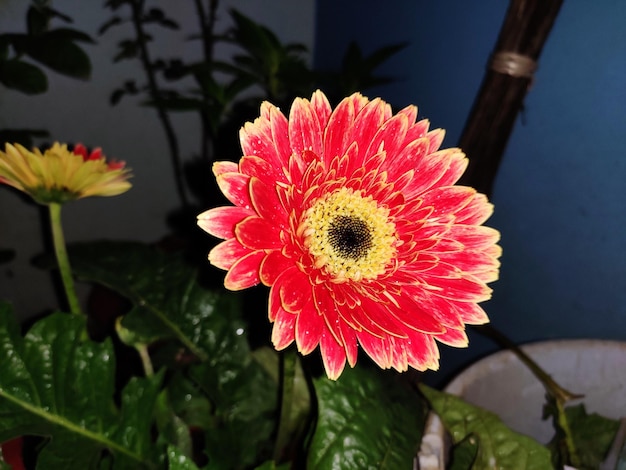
(56, 383)
(593, 435)
(22, 136)
(169, 303)
(178, 460)
(367, 419)
(37, 20)
(499, 447)
(22, 76)
(60, 54)
(243, 394)
(464, 454)
(271, 465)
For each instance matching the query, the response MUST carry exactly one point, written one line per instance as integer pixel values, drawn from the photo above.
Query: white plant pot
(502, 384)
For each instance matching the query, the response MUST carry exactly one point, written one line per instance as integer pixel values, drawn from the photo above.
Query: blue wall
(560, 194)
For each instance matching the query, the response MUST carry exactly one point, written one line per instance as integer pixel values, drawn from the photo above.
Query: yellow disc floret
(349, 235)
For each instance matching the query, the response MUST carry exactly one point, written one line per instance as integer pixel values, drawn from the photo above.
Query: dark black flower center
(350, 237)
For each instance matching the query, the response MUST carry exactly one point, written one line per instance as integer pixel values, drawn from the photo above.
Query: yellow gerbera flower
(59, 175)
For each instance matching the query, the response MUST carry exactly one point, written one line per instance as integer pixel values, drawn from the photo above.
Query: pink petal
(350, 343)
(456, 166)
(328, 310)
(338, 131)
(447, 200)
(227, 253)
(470, 262)
(305, 132)
(397, 347)
(461, 290)
(436, 138)
(245, 272)
(415, 317)
(262, 169)
(472, 314)
(220, 168)
(220, 221)
(235, 188)
(377, 313)
(411, 157)
(283, 329)
(295, 290)
(333, 356)
(422, 352)
(279, 127)
(410, 112)
(272, 266)
(474, 237)
(309, 328)
(376, 348)
(265, 201)
(256, 139)
(258, 234)
(476, 212)
(417, 131)
(454, 338)
(274, 303)
(321, 107)
(443, 311)
(367, 123)
(389, 137)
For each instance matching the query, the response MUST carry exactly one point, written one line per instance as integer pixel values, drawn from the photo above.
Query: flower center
(349, 235)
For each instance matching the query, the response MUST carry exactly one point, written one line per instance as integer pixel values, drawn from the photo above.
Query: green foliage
(463, 455)
(55, 48)
(58, 384)
(593, 435)
(498, 446)
(220, 388)
(358, 72)
(366, 420)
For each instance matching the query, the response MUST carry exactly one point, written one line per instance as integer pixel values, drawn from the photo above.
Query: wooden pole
(506, 82)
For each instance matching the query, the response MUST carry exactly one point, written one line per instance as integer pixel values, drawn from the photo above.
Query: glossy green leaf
(178, 460)
(242, 392)
(56, 383)
(22, 76)
(463, 455)
(367, 419)
(271, 465)
(593, 435)
(170, 304)
(499, 446)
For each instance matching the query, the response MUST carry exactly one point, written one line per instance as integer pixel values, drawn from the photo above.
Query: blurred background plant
(56, 48)
(223, 94)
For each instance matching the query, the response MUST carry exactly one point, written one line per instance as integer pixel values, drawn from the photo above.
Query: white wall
(75, 111)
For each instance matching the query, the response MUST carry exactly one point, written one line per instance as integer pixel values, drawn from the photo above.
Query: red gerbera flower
(351, 217)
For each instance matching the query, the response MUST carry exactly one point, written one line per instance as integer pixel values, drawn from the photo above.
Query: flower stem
(288, 377)
(63, 261)
(554, 391)
(552, 387)
(142, 349)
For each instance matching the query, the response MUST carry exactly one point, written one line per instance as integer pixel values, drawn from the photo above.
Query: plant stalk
(288, 377)
(60, 252)
(559, 394)
(155, 93)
